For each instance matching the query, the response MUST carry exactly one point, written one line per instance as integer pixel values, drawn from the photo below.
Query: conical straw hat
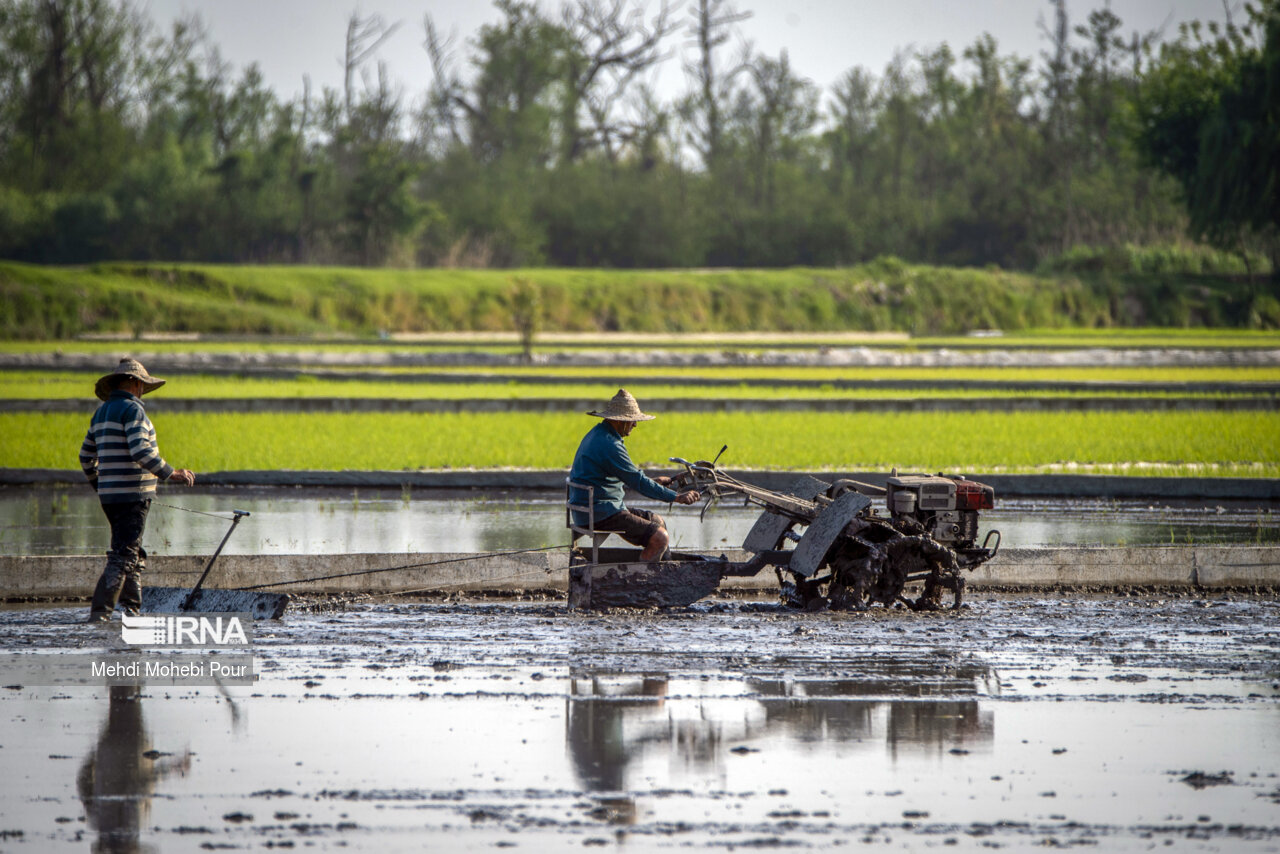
(126, 368)
(622, 407)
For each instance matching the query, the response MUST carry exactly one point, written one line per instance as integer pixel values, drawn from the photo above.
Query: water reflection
(608, 721)
(119, 775)
(42, 521)
(938, 727)
(616, 724)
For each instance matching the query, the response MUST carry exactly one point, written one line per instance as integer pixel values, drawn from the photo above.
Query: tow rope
(189, 510)
(470, 557)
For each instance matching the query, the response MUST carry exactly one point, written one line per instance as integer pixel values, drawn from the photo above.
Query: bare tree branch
(364, 37)
(615, 43)
(712, 24)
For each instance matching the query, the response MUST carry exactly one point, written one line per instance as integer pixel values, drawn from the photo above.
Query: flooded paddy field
(1118, 723)
(51, 521)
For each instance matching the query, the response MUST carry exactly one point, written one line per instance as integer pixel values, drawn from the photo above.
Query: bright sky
(824, 38)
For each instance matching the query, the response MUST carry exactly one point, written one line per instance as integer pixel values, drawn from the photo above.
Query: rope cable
(361, 597)
(189, 510)
(471, 557)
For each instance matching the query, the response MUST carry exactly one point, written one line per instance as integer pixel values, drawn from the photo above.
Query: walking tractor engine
(831, 547)
(946, 508)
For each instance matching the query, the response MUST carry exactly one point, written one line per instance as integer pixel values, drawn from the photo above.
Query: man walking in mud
(602, 461)
(123, 463)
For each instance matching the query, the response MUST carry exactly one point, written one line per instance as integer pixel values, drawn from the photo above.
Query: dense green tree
(540, 140)
(69, 73)
(1209, 113)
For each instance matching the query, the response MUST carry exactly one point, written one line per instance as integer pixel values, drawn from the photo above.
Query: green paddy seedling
(1197, 443)
(782, 383)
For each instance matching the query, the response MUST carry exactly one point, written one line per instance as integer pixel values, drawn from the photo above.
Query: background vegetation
(537, 143)
(887, 294)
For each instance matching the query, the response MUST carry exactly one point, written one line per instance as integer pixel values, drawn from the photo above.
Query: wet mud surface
(1118, 723)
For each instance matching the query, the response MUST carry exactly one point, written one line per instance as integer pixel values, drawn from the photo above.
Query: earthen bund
(1209, 568)
(1155, 488)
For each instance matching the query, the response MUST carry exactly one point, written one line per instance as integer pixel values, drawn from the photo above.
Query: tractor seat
(589, 530)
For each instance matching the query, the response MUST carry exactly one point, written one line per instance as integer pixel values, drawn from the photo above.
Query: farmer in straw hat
(122, 462)
(602, 461)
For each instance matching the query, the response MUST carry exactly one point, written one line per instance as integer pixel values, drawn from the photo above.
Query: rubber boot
(120, 566)
(131, 592)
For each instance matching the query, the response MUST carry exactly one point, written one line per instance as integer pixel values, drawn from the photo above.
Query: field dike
(1007, 485)
(1189, 568)
(252, 359)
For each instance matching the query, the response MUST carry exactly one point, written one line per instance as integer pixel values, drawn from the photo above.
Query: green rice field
(1203, 444)
(72, 385)
(221, 388)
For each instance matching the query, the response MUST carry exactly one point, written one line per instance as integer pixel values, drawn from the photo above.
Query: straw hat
(126, 368)
(622, 407)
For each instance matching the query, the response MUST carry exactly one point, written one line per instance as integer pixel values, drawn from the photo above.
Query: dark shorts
(634, 526)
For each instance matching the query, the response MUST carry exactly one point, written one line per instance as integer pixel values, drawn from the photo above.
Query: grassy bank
(40, 303)
(1188, 443)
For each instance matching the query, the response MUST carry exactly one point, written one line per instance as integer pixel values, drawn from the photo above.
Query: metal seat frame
(576, 531)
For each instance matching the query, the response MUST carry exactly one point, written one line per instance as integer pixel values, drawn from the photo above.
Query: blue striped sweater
(119, 454)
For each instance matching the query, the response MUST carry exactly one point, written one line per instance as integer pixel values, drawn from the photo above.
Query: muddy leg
(123, 560)
(131, 593)
(657, 544)
(107, 590)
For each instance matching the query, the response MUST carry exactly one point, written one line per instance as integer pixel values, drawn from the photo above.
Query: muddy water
(1122, 723)
(49, 521)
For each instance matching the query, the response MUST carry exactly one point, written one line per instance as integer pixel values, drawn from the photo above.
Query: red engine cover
(971, 495)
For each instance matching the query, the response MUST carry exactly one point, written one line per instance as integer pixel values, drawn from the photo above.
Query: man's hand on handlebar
(689, 497)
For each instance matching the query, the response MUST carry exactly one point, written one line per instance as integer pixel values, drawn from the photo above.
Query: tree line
(540, 140)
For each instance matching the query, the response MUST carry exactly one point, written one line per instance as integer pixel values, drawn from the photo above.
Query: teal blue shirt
(602, 461)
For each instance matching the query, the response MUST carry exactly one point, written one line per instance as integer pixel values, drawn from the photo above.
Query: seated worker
(602, 461)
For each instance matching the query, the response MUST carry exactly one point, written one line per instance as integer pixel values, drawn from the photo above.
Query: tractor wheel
(805, 594)
(874, 567)
(924, 556)
(865, 573)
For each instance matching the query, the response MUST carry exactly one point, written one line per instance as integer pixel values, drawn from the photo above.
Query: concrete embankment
(1177, 567)
(1023, 485)
(1006, 485)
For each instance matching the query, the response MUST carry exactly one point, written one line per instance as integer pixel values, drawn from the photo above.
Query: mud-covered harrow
(831, 548)
(828, 544)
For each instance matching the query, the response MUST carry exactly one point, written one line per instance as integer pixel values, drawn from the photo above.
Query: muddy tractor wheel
(803, 593)
(875, 568)
(922, 558)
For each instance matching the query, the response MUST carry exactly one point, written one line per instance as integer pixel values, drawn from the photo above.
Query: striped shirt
(119, 454)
